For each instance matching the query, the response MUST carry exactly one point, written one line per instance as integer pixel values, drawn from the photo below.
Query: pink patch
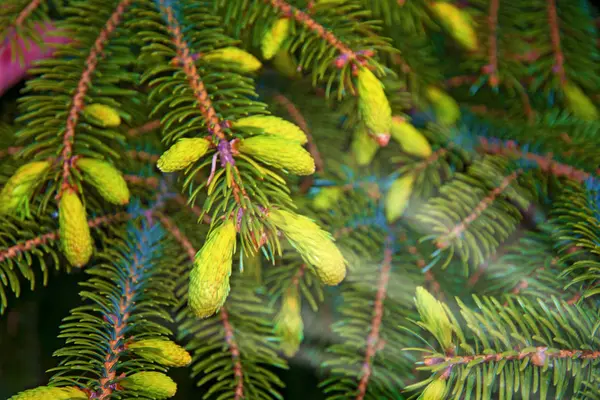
(11, 71)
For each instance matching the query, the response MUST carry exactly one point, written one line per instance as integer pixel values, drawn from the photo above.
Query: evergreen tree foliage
(402, 192)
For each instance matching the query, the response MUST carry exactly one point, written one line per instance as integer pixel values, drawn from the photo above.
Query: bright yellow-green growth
(75, 237)
(244, 61)
(579, 104)
(102, 115)
(327, 197)
(274, 126)
(154, 385)
(274, 37)
(18, 189)
(279, 152)
(457, 23)
(164, 352)
(397, 197)
(51, 393)
(209, 279)
(410, 139)
(183, 154)
(314, 244)
(434, 317)
(286, 65)
(106, 179)
(288, 324)
(445, 107)
(434, 391)
(373, 105)
(363, 146)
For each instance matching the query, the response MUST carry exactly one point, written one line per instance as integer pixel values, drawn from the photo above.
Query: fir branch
(147, 127)
(78, 101)
(129, 291)
(525, 340)
(373, 340)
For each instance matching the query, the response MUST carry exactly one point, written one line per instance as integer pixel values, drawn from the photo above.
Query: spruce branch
(78, 101)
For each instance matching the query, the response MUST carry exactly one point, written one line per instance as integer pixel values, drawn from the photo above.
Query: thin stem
(78, 103)
(26, 12)
(147, 127)
(493, 42)
(374, 342)
(559, 58)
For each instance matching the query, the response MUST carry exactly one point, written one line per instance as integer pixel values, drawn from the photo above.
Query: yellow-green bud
(51, 393)
(106, 179)
(434, 391)
(244, 61)
(285, 64)
(326, 197)
(373, 105)
(279, 152)
(434, 317)
(274, 126)
(457, 23)
(364, 147)
(183, 154)
(288, 325)
(75, 236)
(274, 37)
(102, 115)
(209, 278)
(409, 137)
(445, 108)
(397, 197)
(164, 352)
(579, 104)
(314, 244)
(154, 385)
(19, 187)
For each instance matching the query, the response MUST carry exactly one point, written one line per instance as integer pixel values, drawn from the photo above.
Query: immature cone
(102, 115)
(51, 393)
(373, 105)
(457, 23)
(209, 279)
(410, 139)
(363, 146)
(285, 64)
(154, 385)
(279, 152)
(434, 391)
(75, 236)
(314, 244)
(445, 107)
(273, 126)
(327, 197)
(434, 317)
(288, 325)
(274, 38)
(244, 61)
(164, 352)
(579, 104)
(183, 154)
(19, 187)
(397, 197)
(106, 179)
